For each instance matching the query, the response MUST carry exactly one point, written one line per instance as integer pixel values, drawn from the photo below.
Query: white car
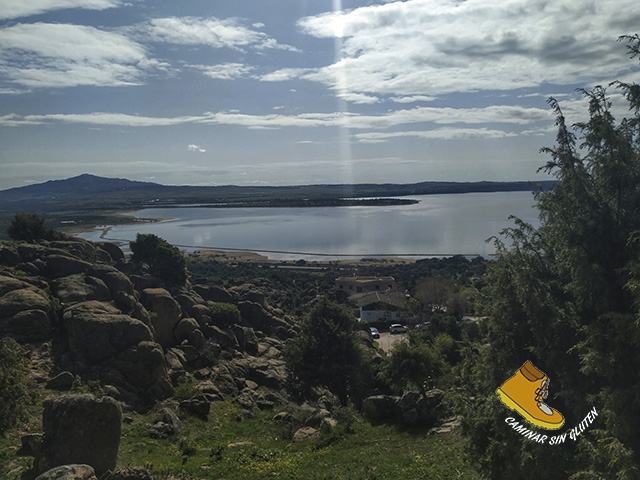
(397, 328)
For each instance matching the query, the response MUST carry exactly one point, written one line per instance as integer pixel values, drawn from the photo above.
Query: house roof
(395, 299)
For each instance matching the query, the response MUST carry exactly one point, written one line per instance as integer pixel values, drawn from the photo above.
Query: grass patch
(361, 451)
(11, 465)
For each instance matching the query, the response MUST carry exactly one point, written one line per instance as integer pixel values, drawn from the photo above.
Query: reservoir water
(437, 225)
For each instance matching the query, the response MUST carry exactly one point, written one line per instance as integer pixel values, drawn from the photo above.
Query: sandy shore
(253, 257)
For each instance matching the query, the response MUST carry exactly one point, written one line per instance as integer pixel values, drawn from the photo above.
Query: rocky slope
(89, 317)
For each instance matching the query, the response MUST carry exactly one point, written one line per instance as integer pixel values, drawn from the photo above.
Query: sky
(289, 92)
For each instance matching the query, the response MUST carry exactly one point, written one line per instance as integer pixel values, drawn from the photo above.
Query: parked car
(397, 328)
(374, 332)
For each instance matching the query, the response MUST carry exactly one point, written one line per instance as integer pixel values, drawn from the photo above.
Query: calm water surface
(438, 225)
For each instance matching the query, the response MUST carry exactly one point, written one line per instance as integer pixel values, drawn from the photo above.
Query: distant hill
(90, 193)
(82, 183)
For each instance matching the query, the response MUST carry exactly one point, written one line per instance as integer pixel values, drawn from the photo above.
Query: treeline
(293, 290)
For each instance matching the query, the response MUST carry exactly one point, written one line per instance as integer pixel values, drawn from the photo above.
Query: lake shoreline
(435, 226)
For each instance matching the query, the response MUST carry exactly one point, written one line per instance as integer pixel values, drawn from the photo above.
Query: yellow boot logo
(525, 392)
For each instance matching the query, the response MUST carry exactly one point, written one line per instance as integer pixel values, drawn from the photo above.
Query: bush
(14, 392)
(186, 390)
(163, 259)
(326, 352)
(412, 365)
(225, 314)
(31, 226)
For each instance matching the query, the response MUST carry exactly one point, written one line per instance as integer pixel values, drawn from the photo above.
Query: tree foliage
(567, 297)
(163, 259)
(412, 364)
(225, 314)
(326, 352)
(30, 226)
(14, 392)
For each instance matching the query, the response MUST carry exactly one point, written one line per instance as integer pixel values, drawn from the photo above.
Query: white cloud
(285, 74)
(211, 31)
(439, 133)
(225, 71)
(13, 91)
(98, 118)
(358, 98)
(432, 47)
(195, 148)
(24, 8)
(413, 99)
(62, 55)
(499, 114)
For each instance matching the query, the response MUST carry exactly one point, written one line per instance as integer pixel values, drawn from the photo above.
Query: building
(380, 306)
(354, 285)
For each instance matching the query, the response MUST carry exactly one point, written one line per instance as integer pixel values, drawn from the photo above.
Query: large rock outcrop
(24, 310)
(97, 331)
(138, 336)
(80, 288)
(80, 429)
(166, 314)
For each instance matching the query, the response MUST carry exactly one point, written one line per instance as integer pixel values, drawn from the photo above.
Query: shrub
(163, 259)
(31, 226)
(412, 365)
(224, 313)
(326, 352)
(186, 390)
(14, 392)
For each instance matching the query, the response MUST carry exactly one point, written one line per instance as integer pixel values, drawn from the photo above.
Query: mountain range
(89, 192)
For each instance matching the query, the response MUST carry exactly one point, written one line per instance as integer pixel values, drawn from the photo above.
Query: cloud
(439, 134)
(23, 8)
(195, 148)
(358, 98)
(225, 71)
(434, 47)
(285, 74)
(413, 98)
(97, 118)
(213, 32)
(61, 55)
(498, 114)
(13, 91)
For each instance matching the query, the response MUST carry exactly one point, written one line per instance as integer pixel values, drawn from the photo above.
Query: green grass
(361, 451)
(354, 449)
(11, 465)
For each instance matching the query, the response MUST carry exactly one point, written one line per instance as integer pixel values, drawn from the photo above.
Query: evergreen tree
(567, 297)
(30, 226)
(325, 352)
(163, 259)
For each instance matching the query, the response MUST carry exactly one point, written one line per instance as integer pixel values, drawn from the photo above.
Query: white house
(381, 307)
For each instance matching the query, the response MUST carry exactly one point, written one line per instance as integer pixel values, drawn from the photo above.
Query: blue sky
(283, 92)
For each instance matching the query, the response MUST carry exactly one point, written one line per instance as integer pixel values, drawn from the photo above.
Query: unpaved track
(387, 341)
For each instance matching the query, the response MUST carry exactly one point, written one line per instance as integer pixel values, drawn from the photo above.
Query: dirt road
(387, 341)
